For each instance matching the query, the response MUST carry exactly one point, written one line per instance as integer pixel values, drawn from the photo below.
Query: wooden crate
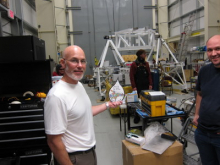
(188, 74)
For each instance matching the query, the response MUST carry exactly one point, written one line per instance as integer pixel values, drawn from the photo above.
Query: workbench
(147, 119)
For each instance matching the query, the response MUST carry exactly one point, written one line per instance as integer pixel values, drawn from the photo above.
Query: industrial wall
(92, 20)
(180, 14)
(53, 26)
(24, 22)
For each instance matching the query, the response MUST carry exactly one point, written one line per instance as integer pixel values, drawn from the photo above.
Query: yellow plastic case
(153, 105)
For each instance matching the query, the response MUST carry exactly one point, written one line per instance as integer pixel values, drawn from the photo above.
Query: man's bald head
(73, 49)
(213, 50)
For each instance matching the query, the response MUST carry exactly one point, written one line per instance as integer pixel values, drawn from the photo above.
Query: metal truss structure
(135, 39)
(175, 67)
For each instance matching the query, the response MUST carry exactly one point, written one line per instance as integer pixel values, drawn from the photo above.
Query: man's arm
(59, 150)
(102, 107)
(198, 102)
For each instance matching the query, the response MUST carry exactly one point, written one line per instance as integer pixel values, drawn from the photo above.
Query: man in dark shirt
(207, 114)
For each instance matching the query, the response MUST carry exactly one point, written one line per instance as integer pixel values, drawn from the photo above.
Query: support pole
(1, 32)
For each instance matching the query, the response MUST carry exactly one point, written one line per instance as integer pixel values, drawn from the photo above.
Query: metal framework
(118, 59)
(175, 67)
(135, 39)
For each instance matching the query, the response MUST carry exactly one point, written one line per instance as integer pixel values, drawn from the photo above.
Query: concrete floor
(109, 136)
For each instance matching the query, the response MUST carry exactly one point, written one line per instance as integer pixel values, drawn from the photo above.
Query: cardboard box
(188, 74)
(135, 155)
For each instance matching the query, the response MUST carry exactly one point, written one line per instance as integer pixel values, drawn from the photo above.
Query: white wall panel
(175, 31)
(188, 5)
(202, 23)
(181, 12)
(201, 3)
(185, 20)
(175, 28)
(29, 14)
(174, 12)
(174, 24)
(171, 1)
(201, 20)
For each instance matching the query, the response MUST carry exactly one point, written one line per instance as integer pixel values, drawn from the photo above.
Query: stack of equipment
(153, 102)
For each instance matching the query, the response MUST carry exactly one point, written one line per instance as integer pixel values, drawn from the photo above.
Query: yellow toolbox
(153, 102)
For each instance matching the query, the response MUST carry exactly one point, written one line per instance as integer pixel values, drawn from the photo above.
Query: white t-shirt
(68, 111)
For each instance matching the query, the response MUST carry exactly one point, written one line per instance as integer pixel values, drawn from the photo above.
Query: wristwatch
(107, 105)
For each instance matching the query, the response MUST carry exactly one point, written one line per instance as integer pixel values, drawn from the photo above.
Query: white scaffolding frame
(118, 59)
(176, 66)
(135, 39)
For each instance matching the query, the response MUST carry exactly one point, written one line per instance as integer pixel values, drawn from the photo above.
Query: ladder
(186, 137)
(183, 42)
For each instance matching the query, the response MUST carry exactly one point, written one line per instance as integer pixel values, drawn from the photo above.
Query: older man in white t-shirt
(69, 114)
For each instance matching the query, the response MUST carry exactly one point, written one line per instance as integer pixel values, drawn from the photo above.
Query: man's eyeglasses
(76, 61)
(61, 69)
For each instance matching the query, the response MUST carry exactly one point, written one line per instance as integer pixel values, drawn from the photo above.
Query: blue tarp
(172, 111)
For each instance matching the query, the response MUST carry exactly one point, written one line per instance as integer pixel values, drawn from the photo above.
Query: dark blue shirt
(209, 85)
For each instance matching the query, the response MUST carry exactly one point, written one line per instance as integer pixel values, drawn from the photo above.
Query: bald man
(69, 114)
(207, 114)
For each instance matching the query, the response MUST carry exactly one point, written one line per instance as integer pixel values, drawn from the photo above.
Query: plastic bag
(153, 141)
(153, 130)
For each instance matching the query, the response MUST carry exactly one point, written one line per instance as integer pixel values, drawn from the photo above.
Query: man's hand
(150, 87)
(134, 89)
(195, 120)
(114, 104)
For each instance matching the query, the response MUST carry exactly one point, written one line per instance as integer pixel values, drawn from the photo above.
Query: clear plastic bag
(153, 130)
(153, 141)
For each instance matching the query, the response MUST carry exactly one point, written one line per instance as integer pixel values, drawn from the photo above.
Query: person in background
(207, 113)
(140, 75)
(68, 114)
(59, 70)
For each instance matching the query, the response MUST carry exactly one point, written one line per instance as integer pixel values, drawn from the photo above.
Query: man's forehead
(80, 55)
(214, 39)
(75, 52)
(213, 43)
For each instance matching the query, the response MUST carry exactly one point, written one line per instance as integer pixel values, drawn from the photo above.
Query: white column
(163, 24)
(212, 18)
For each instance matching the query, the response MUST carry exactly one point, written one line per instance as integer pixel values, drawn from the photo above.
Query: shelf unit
(197, 54)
